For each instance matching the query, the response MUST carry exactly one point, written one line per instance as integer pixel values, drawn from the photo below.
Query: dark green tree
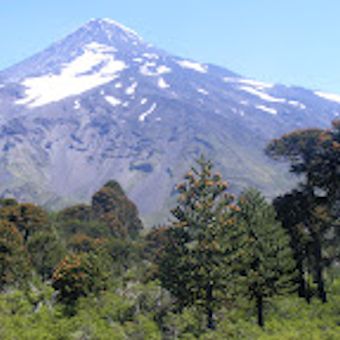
(270, 265)
(314, 155)
(46, 249)
(14, 259)
(200, 259)
(293, 211)
(111, 205)
(28, 218)
(79, 275)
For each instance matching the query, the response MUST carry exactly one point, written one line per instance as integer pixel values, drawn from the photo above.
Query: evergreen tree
(46, 250)
(293, 211)
(28, 218)
(203, 249)
(315, 154)
(270, 267)
(112, 206)
(79, 275)
(14, 259)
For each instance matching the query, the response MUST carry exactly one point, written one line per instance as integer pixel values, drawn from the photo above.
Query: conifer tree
(203, 250)
(315, 154)
(270, 266)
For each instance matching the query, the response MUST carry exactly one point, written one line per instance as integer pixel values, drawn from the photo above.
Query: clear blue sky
(288, 41)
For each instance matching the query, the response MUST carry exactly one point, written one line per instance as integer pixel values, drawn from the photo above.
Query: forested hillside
(223, 267)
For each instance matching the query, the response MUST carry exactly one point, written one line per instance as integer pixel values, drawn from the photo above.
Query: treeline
(220, 264)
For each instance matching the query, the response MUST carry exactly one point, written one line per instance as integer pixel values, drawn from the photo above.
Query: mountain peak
(109, 26)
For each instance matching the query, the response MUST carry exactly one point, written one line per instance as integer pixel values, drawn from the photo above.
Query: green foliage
(78, 275)
(270, 266)
(195, 279)
(199, 259)
(80, 212)
(111, 205)
(14, 261)
(314, 154)
(46, 250)
(28, 218)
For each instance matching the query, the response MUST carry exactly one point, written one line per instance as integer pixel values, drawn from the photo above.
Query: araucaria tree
(314, 155)
(270, 265)
(199, 261)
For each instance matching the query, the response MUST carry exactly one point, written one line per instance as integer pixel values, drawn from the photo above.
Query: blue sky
(283, 41)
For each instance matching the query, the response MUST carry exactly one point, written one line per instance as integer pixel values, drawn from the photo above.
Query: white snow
(138, 60)
(144, 101)
(267, 109)
(112, 100)
(328, 96)
(193, 66)
(150, 55)
(203, 91)
(150, 69)
(76, 104)
(145, 69)
(163, 69)
(131, 89)
(262, 95)
(258, 84)
(118, 85)
(75, 77)
(142, 117)
(1, 86)
(94, 46)
(102, 92)
(297, 104)
(163, 84)
(127, 30)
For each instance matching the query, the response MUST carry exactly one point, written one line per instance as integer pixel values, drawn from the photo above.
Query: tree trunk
(302, 291)
(319, 273)
(259, 304)
(210, 313)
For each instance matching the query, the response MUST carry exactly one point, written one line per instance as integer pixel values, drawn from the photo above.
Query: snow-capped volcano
(102, 103)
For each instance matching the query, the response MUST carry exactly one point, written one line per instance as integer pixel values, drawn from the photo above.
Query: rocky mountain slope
(104, 104)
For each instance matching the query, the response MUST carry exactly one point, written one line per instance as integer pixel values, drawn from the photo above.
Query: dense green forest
(224, 267)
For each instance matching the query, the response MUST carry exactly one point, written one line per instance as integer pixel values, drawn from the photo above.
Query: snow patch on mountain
(258, 84)
(193, 66)
(297, 104)
(262, 95)
(203, 91)
(150, 55)
(328, 96)
(131, 89)
(123, 28)
(146, 71)
(92, 68)
(267, 109)
(143, 116)
(113, 100)
(162, 69)
(163, 84)
(76, 105)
